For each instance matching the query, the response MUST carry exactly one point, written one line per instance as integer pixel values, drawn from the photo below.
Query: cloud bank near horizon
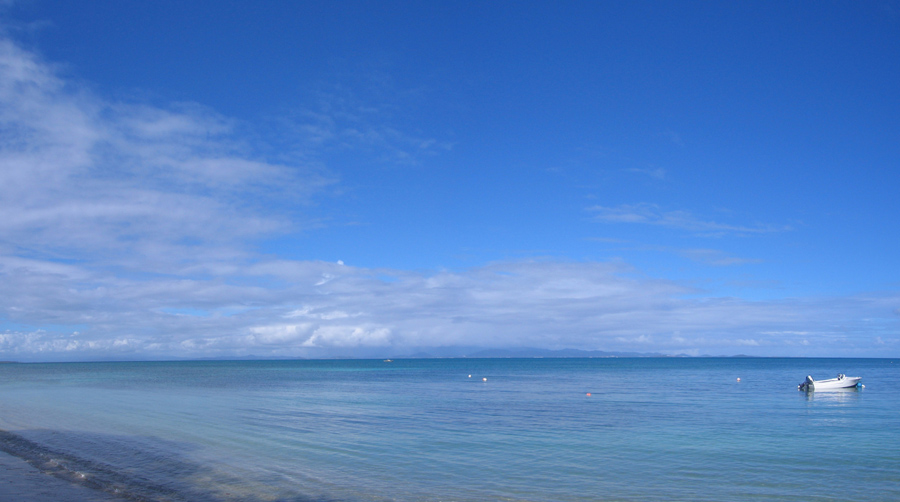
(129, 231)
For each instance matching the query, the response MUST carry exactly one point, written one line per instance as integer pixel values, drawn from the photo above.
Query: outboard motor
(805, 385)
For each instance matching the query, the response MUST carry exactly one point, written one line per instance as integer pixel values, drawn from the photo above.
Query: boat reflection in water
(837, 396)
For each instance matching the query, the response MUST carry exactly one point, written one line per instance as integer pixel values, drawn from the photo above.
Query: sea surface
(603, 429)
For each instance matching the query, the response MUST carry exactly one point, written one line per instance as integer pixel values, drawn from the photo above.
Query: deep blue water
(423, 430)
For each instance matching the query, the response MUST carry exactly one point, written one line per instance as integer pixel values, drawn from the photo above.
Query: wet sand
(22, 482)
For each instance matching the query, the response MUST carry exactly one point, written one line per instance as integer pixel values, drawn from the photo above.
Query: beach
(23, 482)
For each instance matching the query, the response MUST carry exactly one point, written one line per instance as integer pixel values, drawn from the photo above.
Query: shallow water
(423, 430)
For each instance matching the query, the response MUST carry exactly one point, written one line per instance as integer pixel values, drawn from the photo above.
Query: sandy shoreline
(22, 482)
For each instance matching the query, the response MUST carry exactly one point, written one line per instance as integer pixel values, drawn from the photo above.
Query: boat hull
(841, 382)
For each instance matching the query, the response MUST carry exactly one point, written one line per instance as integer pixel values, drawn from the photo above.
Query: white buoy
(484, 379)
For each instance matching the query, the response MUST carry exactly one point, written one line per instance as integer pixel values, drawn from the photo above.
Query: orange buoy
(589, 394)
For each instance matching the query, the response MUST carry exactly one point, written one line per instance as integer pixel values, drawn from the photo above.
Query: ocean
(541, 430)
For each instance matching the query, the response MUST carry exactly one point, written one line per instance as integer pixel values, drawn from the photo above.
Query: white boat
(841, 382)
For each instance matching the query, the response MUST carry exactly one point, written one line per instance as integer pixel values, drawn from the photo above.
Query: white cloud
(534, 304)
(281, 334)
(349, 336)
(87, 177)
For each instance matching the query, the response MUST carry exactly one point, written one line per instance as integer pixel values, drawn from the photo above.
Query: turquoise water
(423, 430)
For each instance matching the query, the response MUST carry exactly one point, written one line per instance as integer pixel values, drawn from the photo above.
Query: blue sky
(304, 179)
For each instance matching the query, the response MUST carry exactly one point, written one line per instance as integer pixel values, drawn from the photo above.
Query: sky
(232, 179)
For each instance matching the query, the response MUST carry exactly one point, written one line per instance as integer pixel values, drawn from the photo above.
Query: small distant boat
(841, 382)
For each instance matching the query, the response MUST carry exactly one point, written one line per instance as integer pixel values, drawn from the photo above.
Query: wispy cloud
(339, 120)
(652, 214)
(716, 257)
(655, 173)
(674, 137)
(87, 177)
